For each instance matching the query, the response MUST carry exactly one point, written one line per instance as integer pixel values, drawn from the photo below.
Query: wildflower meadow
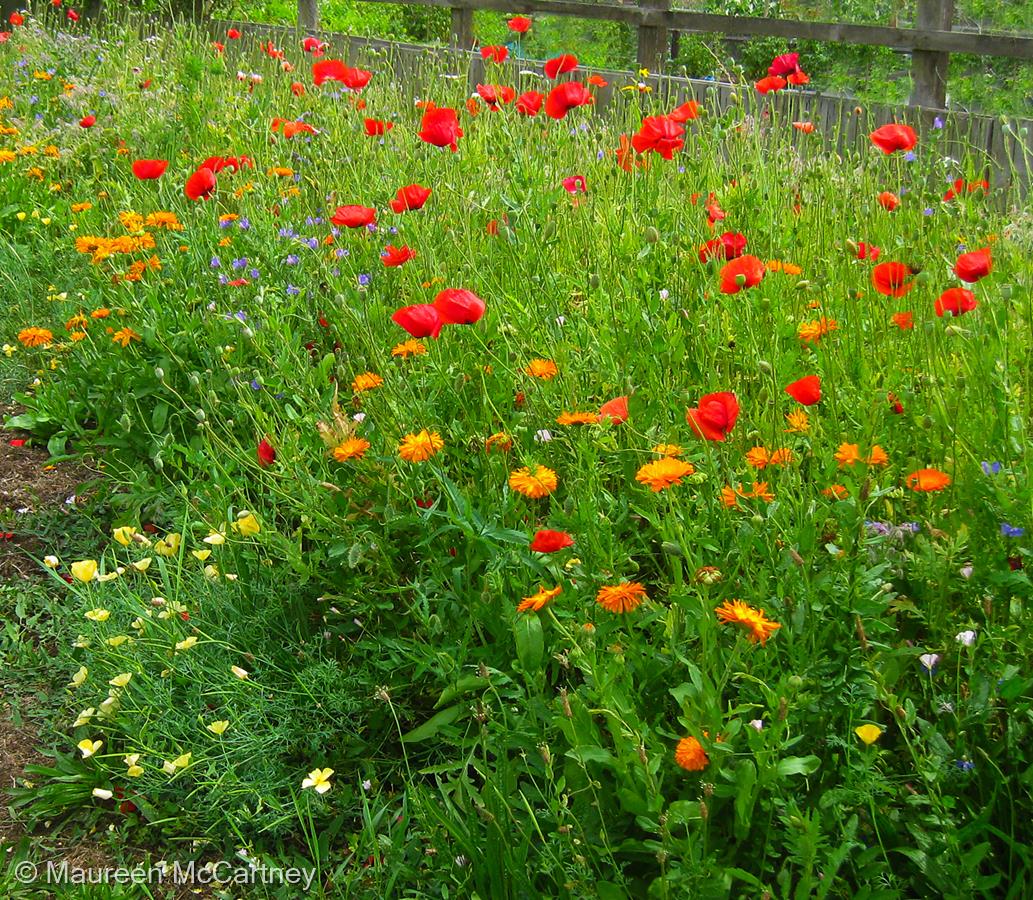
(489, 493)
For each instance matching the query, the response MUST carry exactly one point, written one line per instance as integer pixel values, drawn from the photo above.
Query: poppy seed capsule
(651, 235)
(852, 248)
(199, 415)
(593, 281)
(671, 549)
(159, 373)
(765, 367)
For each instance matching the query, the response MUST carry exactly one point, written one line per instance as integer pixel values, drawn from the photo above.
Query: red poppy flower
(565, 97)
(615, 411)
(905, 321)
(741, 273)
(957, 301)
(238, 282)
(314, 46)
(960, 188)
(688, 110)
(597, 81)
(440, 127)
(970, 267)
(16, 19)
(266, 453)
(546, 541)
(377, 127)
(662, 134)
(555, 67)
(867, 251)
(805, 127)
(354, 216)
(457, 306)
(494, 94)
(288, 129)
(714, 212)
(785, 64)
(234, 163)
(888, 201)
(335, 70)
(421, 320)
(297, 89)
(88, 121)
(715, 415)
(894, 401)
(891, 138)
(495, 53)
(770, 83)
(529, 103)
(149, 169)
(799, 78)
(412, 196)
(393, 256)
(72, 15)
(891, 279)
(575, 184)
(806, 391)
(200, 185)
(729, 245)
(233, 34)
(519, 24)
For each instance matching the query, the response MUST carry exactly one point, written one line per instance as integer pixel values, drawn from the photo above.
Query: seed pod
(651, 235)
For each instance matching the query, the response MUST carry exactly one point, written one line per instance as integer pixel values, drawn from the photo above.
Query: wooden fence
(930, 42)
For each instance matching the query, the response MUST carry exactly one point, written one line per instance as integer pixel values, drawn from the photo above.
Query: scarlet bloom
(519, 24)
(149, 169)
(314, 46)
(867, 251)
(16, 19)
(770, 83)
(806, 391)
(597, 81)
(888, 200)
(959, 188)
(891, 138)
(956, 301)
(927, 480)
(546, 541)
(335, 70)
(662, 134)
(785, 64)
(891, 279)
(555, 67)
(440, 127)
(565, 97)
(905, 321)
(233, 163)
(412, 196)
(805, 127)
(457, 306)
(529, 103)
(200, 185)
(495, 53)
(396, 256)
(972, 266)
(297, 89)
(798, 78)
(715, 415)
(615, 411)
(73, 16)
(421, 320)
(266, 453)
(685, 112)
(729, 245)
(354, 216)
(233, 34)
(575, 184)
(88, 121)
(742, 273)
(377, 127)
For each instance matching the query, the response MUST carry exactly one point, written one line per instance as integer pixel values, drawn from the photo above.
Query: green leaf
(462, 686)
(27, 421)
(590, 754)
(56, 445)
(159, 417)
(530, 642)
(745, 797)
(432, 726)
(798, 765)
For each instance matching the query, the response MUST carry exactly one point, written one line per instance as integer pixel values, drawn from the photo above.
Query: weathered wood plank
(929, 68)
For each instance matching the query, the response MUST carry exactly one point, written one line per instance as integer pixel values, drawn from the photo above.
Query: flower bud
(651, 235)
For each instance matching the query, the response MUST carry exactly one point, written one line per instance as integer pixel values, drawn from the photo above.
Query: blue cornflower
(1011, 530)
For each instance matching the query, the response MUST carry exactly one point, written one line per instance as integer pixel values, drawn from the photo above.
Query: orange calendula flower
(540, 483)
(35, 337)
(536, 601)
(783, 456)
(663, 473)
(577, 418)
(124, 335)
(77, 322)
(420, 447)
(350, 448)
(621, 598)
(799, 422)
(101, 313)
(81, 207)
(760, 492)
(847, 455)
(667, 450)
(729, 497)
(928, 480)
(758, 457)
(877, 456)
(542, 368)
(775, 265)
(690, 755)
(812, 332)
(499, 441)
(836, 491)
(758, 626)
(366, 382)
(409, 348)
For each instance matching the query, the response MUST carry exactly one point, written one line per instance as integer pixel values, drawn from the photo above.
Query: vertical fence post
(928, 67)
(652, 41)
(462, 27)
(308, 15)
